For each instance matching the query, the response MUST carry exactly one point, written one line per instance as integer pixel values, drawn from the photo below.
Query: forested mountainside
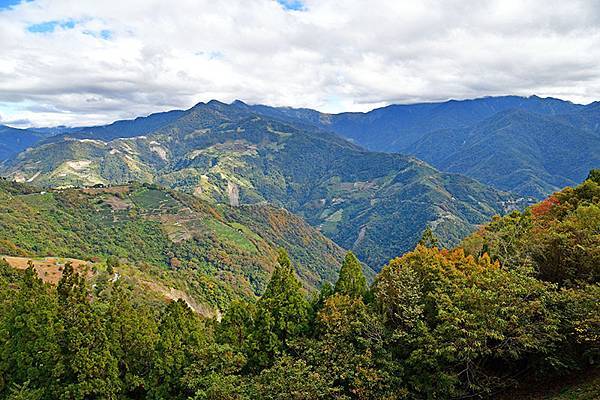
(13, 141)
(539, 144)
(516, 151)
(527, 145)
(376, 204)
(516, 302)
(213, 253)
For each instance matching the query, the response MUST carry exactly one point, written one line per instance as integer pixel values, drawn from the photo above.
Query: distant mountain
(397, 127)
(515, 150)
(13, 141)
(122, 128)
(213, 253)
(529, 145)
(374, 203)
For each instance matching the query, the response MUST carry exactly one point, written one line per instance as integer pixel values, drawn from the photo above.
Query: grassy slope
(212, 253)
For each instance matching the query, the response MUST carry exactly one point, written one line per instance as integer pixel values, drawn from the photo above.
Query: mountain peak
(215, 102)
(238, 103)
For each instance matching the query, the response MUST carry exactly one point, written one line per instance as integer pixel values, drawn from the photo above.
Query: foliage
(281, 314)
(437, 323)
(559, 238)
(352, 281)
(428, 238)
(463, 325)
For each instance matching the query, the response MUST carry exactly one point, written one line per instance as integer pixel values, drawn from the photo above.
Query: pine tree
(133, 333)
(282, 314)
(352, 281)
(181, 335)
(90, 368)
(29, 354)
(237, 324)
(428, 238)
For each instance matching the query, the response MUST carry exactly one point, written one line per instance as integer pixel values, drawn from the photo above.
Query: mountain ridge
(226, 153)
(408, 128)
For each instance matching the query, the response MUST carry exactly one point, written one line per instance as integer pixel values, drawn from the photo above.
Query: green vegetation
(517, 302)
(351, 281)
(375, 204)
(527, 145)
(214, 255)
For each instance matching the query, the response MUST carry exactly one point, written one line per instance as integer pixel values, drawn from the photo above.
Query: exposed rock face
(233, 191)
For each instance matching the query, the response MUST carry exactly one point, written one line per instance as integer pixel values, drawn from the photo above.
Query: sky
(85, 62)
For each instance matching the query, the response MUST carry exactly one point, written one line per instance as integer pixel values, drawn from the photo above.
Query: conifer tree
(90, 370)
(282, 313)
(237, 324)
(133, 333)
(29, 355)
(181, 335)
(326, 291)
(352, 281)
(428, 238)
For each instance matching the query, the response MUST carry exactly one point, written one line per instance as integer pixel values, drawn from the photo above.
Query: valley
(376, 204)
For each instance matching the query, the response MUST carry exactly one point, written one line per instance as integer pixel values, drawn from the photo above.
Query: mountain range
(374, 203)
(531, 146)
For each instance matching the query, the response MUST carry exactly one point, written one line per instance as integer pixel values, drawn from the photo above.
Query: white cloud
(102, 61)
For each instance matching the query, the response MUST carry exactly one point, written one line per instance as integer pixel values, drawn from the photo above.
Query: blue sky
(50, 26)
(8, 3)
(85, 62)
(291, 4)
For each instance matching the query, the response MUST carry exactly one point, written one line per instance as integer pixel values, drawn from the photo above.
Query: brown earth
(49, 269)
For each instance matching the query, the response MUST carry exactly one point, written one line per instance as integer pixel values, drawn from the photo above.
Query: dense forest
(517, 300)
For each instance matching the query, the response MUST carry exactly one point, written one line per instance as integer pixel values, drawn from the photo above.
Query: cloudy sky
(81, 62)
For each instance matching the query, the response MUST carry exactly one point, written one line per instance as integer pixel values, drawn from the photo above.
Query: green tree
(318, 302)
(352, 281)
(282, 314)
(181, 334)
(462, 325)
(237, 324)
(290, 379)
(90, 370)
(217, 373)
(133, 333)
(29, 355)
(594, 175)
(350, 351)
(24, 392)
(428, 238)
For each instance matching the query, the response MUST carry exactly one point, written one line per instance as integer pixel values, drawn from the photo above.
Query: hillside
(376, 204)
(213, 253)
(516, 151)
(512, 313)
(13, 141)
(528, 145)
